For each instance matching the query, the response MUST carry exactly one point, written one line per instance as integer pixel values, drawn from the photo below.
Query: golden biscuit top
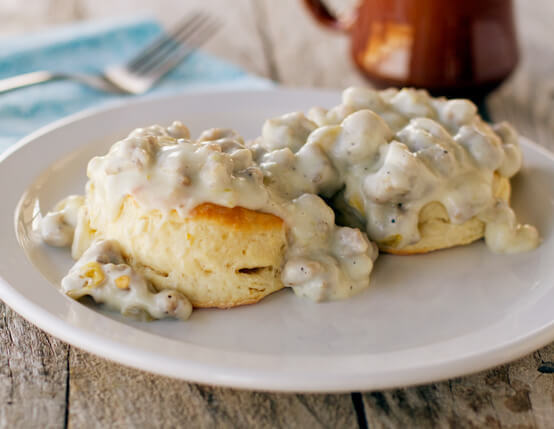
(238, 217)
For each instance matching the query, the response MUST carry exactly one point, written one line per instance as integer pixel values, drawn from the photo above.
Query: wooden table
(46, 383)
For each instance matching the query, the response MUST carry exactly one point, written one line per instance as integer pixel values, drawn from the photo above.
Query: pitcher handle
(324, 16)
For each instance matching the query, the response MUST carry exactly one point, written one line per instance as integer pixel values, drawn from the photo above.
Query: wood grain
(35, 14)
(236, 41)
(527, 99)
(303, 54)
(517, 395)
(33, 374)
(104, 394)
(44, 383)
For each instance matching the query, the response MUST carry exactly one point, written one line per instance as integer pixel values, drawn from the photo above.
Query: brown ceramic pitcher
(455, 48)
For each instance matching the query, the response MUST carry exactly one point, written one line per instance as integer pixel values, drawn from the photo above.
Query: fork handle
(33, 78)
(27, 79)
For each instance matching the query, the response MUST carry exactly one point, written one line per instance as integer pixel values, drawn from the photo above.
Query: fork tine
(194, 42)
(211, 23)
(171, 44)
(162, 40)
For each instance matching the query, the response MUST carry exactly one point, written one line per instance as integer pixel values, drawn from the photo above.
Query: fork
(140, 73)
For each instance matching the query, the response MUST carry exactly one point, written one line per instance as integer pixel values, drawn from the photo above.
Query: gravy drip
(382, 155)
(392, 152)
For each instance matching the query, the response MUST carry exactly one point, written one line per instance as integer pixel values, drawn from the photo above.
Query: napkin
(88, 47)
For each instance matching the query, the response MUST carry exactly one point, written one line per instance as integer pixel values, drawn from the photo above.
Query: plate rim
(103, 347)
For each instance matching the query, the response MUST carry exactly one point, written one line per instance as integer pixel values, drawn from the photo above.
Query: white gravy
(386, 153)
(58, 226)
(102, 274)
(392, 152)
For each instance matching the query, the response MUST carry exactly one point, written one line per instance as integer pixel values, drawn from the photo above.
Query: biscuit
(217, 256)
(436, 230)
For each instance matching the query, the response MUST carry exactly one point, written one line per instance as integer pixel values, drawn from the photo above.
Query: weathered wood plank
(34, 15)
(527, 99)
(302, 53)
(258, 37)
(33, 374)
(237, 40)
(104, 394)
(517, 395)
(33, 365)
(512, 394)
(125, 397)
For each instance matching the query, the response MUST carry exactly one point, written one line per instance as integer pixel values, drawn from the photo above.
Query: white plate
(424, 318)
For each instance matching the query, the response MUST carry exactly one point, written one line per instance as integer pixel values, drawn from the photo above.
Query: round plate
(424, 317)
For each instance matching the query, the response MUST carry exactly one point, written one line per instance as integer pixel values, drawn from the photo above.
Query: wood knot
(546, 368)
(520, 402)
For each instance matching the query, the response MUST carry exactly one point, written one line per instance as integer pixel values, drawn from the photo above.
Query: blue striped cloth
(89, 47)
